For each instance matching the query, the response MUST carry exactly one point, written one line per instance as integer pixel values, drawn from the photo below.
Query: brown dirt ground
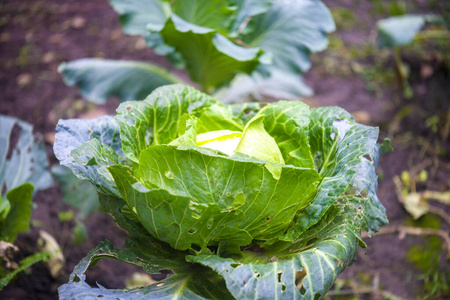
(35, 36)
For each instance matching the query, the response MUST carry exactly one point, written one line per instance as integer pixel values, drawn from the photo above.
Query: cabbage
(259, 202)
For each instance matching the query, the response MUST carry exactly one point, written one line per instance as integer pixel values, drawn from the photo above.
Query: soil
(36, 36)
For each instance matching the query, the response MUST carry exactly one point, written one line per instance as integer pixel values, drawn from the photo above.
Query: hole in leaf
(368, 157)
(100, 296)
(317, 296)
(257, 274)
(299, 278)
(98, 273)
(336, 261)
(248, 111)
(245, 282)
(76, 278)
(128, 108)
(279, 273)
(234, 265)
(160, 284)
(14, 140)
(283, 288)
(161, 275)
(196, 247)
(363, 194)
(302, 291)
(268, 219)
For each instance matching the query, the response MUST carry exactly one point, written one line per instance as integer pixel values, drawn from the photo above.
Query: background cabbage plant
(277, 216)
(23, 172)
(246, 48)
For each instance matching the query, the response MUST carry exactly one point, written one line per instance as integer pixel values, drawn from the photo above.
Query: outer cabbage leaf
(98, 79)
(214, 14)
(27, 161)
(22, 165)
(339, 145)
(305, 269)
(247, 9)
(136, 14)
(290, 30)
(90, 163)
(261, 88)
(188, 281)
(211, 59)
(184, 280)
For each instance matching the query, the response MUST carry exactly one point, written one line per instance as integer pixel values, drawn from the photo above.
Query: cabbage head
(269, 200)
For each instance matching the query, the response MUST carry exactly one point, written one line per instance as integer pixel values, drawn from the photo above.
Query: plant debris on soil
(36, 36)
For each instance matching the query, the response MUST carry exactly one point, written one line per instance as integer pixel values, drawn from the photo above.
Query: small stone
(426, 71)
(361, 116)
(115, 34)
(24, 79)
(140, 44)
(56, 38)
(78, 22)
(48, 57)
(5, 37)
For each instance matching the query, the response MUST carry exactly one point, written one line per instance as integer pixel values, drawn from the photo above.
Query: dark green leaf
(23, 265)
(214, 14)
(98, 79)
(18, 218)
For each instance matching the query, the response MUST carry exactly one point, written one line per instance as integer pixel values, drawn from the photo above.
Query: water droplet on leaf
(169, 175)
(210, 223)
